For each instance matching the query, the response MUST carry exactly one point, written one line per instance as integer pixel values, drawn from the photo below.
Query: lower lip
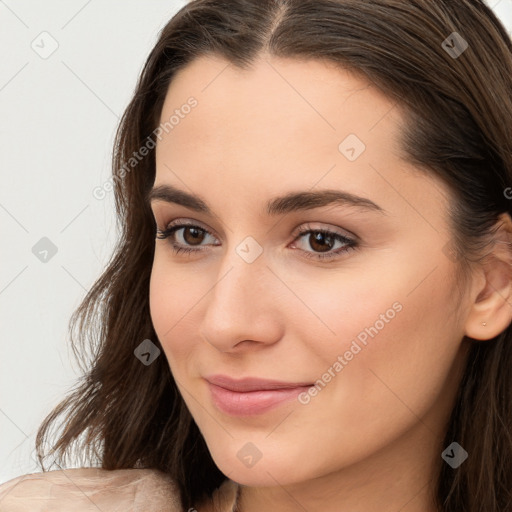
(252, 402)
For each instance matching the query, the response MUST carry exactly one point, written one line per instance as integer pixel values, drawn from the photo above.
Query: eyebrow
(291, 202)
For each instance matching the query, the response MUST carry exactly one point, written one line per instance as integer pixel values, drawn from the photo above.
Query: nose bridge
(241, 276)
(239, 306)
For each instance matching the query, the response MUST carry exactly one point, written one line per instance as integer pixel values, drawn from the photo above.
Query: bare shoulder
(90, 489)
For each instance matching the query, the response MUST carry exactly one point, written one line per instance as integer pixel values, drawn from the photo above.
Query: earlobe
(491, 311)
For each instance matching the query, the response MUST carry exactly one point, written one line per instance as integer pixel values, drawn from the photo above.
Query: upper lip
(252, 383)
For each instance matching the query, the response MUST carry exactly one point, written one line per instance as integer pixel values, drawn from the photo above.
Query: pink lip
(251, 395)
(252, 383)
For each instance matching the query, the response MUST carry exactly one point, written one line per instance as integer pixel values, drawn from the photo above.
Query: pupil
(321, 242)
(195, 237)
(318, 237)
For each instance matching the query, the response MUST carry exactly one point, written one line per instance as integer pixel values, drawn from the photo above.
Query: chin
(264, 471)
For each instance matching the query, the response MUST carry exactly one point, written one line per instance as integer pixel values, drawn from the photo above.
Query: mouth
(250, 396)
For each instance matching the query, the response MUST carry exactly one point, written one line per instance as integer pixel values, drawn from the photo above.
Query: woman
(309, 306)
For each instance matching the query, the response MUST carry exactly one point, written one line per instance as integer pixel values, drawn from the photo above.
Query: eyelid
(189, 222)
(183, 220)
(308, 226)
(298, 230)
(350, 243)
(301, 230)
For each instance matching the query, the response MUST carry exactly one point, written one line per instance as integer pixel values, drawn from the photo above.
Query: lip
(251, 395)
(252, 383)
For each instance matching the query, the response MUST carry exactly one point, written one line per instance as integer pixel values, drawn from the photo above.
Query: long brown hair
(125, 414)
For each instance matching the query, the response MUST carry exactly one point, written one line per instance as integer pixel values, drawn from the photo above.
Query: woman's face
(374, 326)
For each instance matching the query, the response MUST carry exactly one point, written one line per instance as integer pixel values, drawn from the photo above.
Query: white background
(58, 118)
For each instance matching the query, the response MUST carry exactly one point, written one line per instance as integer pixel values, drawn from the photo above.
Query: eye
(191, 234)
(324, 240)
(319, 240)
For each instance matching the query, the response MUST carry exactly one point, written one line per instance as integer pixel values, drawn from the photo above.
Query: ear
(492, 304)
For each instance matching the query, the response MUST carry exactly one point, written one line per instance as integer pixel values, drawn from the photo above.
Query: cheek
(350, 313)
(383, 339)
(173, 297)
(397, 369)
(395, 307)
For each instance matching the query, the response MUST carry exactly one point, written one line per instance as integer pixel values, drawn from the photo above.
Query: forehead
(287, 108)
(284, 124)
(280, 89)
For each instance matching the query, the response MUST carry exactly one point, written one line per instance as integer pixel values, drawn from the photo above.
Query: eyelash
(178, 248)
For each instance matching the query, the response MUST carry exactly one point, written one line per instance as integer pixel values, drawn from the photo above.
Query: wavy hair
(458, 125)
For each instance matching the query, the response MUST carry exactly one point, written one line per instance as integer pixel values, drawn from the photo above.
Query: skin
(372, 438)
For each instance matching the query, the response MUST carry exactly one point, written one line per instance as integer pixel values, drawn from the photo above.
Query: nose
(242, 309)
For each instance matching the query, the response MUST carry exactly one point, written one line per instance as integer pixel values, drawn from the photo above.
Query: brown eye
(321, 241)
(192, 235)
